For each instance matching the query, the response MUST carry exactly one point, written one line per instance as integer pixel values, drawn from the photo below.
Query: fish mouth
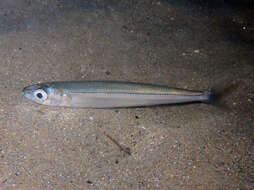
(28, 91)
(23, 91)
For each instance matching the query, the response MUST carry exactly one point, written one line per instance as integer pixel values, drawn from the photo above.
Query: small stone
(197, 51)
(124, 27)
(107, 72)
(143, 127)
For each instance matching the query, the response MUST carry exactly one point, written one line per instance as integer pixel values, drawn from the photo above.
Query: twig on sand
(126, 150)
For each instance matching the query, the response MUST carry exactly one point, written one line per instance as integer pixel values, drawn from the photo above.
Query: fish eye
(40, 94)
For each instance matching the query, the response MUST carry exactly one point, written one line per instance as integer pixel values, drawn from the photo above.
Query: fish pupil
(39, 95)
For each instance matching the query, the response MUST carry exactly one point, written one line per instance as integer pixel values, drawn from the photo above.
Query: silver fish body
(110, 94)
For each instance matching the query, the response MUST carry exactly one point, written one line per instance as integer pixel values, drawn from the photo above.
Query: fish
(111, 94)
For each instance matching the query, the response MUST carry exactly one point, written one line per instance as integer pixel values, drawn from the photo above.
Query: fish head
(38, 93)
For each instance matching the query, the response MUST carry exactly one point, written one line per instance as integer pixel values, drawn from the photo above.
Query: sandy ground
(185, 45)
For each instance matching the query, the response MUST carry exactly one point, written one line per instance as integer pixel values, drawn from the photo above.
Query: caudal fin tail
(209, 96)
(216, 96)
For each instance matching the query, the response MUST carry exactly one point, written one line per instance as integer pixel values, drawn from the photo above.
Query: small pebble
(107, 72)
(124, 27)
(143, 127)
(197, 51)
(91, 118)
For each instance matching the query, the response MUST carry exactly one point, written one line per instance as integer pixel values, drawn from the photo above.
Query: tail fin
(209, 96)
(215, 96)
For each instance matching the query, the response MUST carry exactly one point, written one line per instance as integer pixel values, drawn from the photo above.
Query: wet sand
(179, 44)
